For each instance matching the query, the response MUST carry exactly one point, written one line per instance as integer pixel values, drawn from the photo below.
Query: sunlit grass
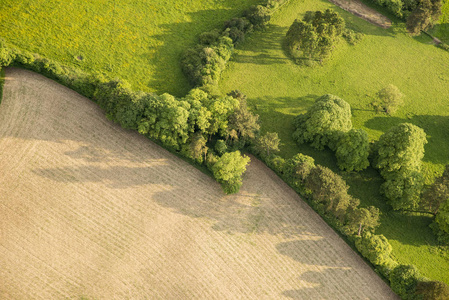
(278, 90)
(140, 41)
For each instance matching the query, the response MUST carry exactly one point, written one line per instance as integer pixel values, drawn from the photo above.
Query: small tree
(403, 189)
(228, 170)
(267, 143)
(361, 219)
(198, 148)
(329, 191)
(391, 98)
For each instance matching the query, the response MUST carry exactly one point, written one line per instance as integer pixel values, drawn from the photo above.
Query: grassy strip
(278, 90)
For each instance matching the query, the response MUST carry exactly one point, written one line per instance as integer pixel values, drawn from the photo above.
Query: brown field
(88, 209)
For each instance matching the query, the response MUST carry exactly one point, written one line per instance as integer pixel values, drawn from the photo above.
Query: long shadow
(434, 127)
(177, 37)
(294, 250)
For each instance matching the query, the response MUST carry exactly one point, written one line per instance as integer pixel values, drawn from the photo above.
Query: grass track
(140, 41)
(96, 211)
(279, 90)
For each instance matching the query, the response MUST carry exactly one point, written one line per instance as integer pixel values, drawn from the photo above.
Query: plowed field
(88, 209)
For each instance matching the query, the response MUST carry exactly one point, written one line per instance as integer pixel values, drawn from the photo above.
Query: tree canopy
(323, 122)
(314, 36)
(228, 170)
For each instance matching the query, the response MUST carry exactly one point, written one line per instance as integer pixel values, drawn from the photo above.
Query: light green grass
(278, 90)
(140, 41)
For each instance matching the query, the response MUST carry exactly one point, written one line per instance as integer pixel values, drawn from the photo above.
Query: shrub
(237, 28)
(220, 147)
(352, 37)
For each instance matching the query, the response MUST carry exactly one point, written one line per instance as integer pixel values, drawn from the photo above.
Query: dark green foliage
(204, 63)
(403, 189)
(432, 290)
(314, 36)
(276, 163)
(360, 220)
(353, 150)
(442, 217)
(394, 6)
(323, 122)
(243, 125)
(221, 147)
(258, 15)
(403, 281)
(299, 167)
(266, 144)
(228, 171)
(426, 13)
(375, 248)
(237, 28)
(329, 191)
(197, 149)
(437, 193)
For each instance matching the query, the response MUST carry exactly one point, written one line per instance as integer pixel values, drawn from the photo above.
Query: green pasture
(140, 41)
(278, 90)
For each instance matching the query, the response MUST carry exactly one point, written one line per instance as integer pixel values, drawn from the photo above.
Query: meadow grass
(139, 41)
(278, 90)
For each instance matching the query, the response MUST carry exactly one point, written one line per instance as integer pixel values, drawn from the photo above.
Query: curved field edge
(350, 75)
(91, 210)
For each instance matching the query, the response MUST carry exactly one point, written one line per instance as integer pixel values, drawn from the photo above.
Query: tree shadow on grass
(178, 37)
(435, 128)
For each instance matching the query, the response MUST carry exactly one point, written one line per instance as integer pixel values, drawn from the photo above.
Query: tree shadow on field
(325, 251)
(435, 128)
(331, 283)
(265, 204)
(115, 177)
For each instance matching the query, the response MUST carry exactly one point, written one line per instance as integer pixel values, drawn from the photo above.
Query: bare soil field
(90, 210)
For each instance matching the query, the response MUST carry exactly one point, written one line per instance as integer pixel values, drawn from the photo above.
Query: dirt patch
(89, 209)
(361, 10)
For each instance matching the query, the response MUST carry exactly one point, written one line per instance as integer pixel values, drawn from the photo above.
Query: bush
(352, 37)
(237, 28)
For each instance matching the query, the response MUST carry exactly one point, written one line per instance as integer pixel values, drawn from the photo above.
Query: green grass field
(140, 41)
(278, 90)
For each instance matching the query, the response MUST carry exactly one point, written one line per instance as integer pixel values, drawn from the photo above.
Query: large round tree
(324, 122)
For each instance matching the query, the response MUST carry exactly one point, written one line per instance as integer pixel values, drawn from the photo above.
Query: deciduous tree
(323, 122)
(228, 170)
